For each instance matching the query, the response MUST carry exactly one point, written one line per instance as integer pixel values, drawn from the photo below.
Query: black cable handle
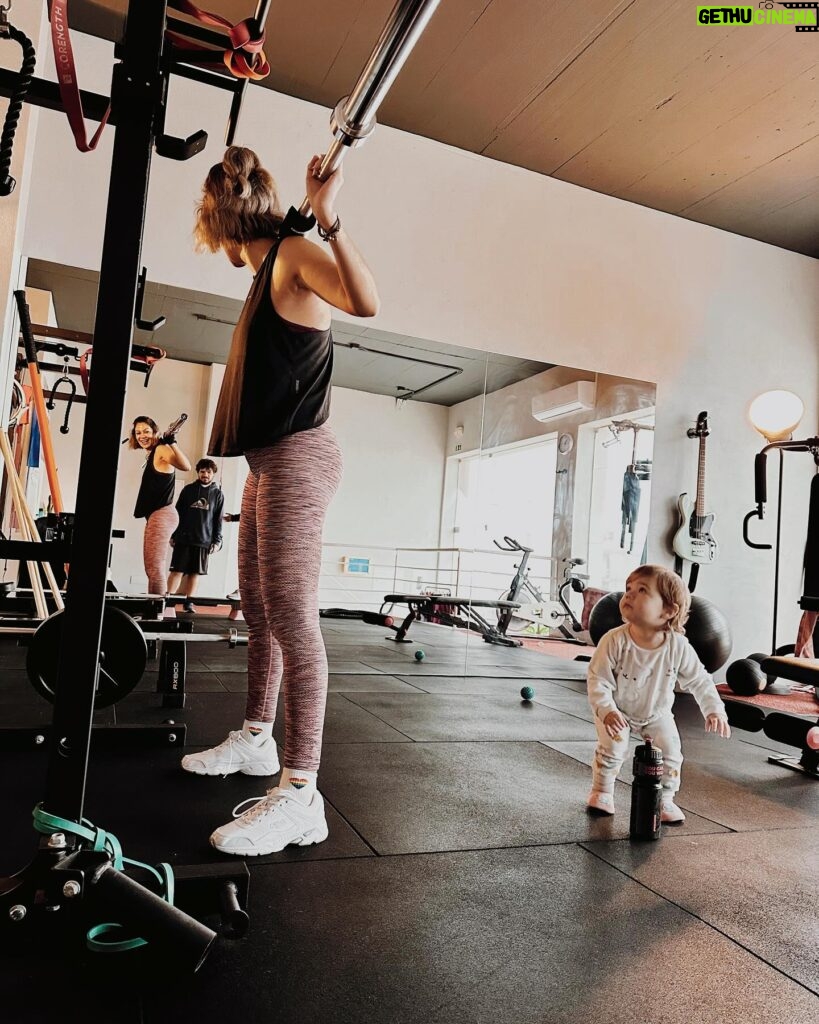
(7, 183)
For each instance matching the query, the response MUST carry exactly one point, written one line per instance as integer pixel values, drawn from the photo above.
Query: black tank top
(155, 490)
(285, 375)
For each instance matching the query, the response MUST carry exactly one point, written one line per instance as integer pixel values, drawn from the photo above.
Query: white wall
(390, 495)
(393, 470)
(471, 251)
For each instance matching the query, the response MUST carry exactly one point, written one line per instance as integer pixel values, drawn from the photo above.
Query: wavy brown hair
(239, 203)
(671, 588)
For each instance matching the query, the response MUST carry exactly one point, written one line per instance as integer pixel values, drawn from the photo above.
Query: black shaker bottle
(646, 792)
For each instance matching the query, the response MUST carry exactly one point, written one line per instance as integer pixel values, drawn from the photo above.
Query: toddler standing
(631, 682)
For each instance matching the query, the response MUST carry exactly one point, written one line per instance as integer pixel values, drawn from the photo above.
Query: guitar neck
(700, 507)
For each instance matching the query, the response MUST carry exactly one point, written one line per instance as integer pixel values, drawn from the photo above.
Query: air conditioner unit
(575, 397)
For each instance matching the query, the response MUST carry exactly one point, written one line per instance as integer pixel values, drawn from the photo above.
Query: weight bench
(785, 728)
(461, 612)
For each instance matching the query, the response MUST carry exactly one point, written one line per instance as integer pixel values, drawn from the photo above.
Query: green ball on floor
(419, 655)
(527, 693)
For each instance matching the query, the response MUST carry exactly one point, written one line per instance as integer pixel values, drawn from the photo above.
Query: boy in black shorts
(200, 505)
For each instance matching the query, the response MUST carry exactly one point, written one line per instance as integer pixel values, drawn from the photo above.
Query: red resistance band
(244, 58)
(67, 78)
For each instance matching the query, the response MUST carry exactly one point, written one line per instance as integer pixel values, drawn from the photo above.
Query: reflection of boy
(200, 505)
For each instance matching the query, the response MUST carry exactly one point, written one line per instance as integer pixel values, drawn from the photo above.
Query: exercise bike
(536, 609)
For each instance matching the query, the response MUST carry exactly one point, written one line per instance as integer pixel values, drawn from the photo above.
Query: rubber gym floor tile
(359, 649)
(442, 717)
(211, 716)
(354, 668)
(562, 699)
(347, 722)
(208, 716)
(374, 683)
(22, 783)
(488, 686)
(16, 689)
(170, 820)
(12, 654)
(476, 938)
(577, 685)
(410, 669)
(30, 995)
(228, 661)
(158, 828)
(534, 668)
(38, 712)
(753, 888)
(728, 782)
(430, 797)
(233, 682)
(195, 682)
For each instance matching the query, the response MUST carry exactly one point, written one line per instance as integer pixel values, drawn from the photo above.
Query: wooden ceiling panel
(795, 226)
(509, 55)
(783, 191)
(777, 124)
(617, 79)
(628, 97)
(625, 158)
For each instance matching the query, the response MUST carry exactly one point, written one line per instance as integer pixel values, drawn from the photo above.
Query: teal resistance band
(107, 842)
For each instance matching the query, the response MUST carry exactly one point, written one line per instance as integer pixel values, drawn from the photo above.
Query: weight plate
(123, 656)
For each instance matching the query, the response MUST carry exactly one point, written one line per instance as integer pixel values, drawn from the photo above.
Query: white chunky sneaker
(670, 813)
(600, 803)
(235, 754)
(274, 821)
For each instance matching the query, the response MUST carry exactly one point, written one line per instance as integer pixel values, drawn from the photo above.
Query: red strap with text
(67, 79)
(244, 58)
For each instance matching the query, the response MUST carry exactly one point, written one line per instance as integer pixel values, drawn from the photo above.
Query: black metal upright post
(777, 550)
(136, 94)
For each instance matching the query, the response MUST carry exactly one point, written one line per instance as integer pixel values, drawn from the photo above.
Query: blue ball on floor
(419, 655)
(527, 693)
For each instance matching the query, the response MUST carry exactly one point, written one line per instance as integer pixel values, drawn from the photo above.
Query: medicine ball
(745, 677)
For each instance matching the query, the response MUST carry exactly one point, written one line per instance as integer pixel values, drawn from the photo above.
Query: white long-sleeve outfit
(640, 684)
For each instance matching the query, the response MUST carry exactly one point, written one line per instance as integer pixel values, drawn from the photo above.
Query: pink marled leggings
(156, 547)
(288, 491)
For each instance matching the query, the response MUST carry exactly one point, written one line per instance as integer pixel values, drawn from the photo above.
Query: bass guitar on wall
(694, 541)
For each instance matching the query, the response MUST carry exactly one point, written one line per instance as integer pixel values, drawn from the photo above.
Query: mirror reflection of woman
(273, 409)
(155, 500)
